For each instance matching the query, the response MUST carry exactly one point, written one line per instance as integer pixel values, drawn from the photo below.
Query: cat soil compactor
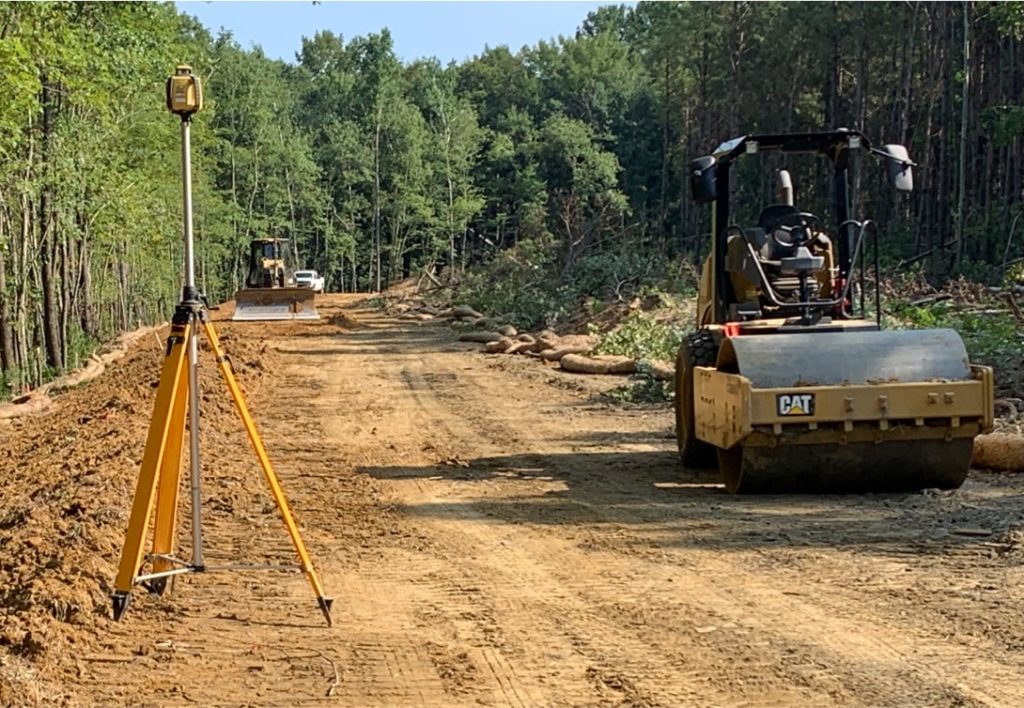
(788, 385)
(271, 292)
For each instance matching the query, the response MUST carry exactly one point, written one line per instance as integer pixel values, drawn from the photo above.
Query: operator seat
(769, 217)
(782, 263)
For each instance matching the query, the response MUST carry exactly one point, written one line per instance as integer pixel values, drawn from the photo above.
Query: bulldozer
(270, 291)
(788, 383)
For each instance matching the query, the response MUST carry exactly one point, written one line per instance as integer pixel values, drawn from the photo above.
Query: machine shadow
(668, 506)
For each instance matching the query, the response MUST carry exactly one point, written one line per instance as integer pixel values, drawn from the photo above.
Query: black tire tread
(699, 348)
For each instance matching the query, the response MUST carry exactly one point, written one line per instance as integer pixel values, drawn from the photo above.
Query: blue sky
(446, 30)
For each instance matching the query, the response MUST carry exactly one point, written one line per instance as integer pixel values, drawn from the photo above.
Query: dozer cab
(788, 385)
(271, 292)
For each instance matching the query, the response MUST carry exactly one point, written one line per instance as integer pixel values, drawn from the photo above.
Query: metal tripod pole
(190, 297)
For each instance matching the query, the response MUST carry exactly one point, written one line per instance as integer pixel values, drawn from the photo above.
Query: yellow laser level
(184, 92)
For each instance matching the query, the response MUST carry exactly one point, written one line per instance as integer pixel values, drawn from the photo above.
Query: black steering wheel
(792, 230)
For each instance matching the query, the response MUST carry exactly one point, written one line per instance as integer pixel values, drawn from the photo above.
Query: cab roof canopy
(830, 144)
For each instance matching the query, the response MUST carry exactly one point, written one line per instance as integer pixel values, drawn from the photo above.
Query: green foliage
(992, 338)
(647, 390)
(643, 338)
(517, 285)
(1014, 276)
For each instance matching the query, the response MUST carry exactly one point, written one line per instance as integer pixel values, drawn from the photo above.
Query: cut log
(556, 353)
(465, 311)
(662, 370)
(498, 346)
(519, 347)
(508, 330)
(578, 340)
(607, 364)
(543, 344)
(482, 337)
(999, 451)
(32, 405)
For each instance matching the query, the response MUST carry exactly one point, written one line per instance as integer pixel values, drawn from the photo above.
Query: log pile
(573, 352)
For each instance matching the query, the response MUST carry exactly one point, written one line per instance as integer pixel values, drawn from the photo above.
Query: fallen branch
(931, 298)
(1014, 307)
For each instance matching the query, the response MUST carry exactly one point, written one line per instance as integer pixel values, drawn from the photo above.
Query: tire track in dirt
(514, 543)
(879, 666)
(560, 609)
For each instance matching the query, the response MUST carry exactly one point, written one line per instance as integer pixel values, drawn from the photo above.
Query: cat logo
(789, 404)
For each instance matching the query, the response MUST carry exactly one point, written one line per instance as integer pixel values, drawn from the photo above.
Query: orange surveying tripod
(158, 484)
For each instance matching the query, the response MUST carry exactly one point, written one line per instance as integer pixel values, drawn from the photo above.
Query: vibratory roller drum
(870, 411)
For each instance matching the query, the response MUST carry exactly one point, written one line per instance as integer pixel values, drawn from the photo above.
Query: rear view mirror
(702, 180)
(901, 173)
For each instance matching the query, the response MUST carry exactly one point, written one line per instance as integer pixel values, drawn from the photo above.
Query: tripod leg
(275, 487)
(171, 379)
(167, 486)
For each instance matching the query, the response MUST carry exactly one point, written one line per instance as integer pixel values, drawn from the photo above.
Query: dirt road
(494, 532)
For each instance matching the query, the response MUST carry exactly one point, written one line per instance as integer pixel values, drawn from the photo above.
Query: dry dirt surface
(494, 532)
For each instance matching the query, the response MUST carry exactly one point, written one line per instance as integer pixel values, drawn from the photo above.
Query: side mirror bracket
(703, 189)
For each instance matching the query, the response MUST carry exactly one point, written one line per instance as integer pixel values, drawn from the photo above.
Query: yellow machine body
(786, 386)
(848, 411)
(275, 304)
(270, 291)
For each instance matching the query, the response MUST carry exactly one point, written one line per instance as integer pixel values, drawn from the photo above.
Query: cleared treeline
(572, 152)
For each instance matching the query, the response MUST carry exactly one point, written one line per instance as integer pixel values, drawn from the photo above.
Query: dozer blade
(843, 412)
(275, 304)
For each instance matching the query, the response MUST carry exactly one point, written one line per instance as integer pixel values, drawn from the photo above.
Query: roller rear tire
(697, 349)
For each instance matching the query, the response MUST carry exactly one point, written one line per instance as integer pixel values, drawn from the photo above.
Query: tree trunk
(961, 190)
(49, 243)
(7, 362)
(376, 198)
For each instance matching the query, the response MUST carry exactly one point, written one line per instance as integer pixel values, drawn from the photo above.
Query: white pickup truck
(309, 279)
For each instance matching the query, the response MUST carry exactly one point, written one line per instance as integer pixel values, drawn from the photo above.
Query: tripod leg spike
(121, 601)
(325, 607)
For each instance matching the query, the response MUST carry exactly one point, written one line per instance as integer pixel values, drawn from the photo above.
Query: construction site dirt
(494, 531)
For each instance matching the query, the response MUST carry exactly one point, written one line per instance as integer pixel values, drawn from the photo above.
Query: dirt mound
(343, 321)
(67, 479)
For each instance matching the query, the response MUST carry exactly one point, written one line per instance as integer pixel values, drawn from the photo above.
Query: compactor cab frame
(785, 385)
